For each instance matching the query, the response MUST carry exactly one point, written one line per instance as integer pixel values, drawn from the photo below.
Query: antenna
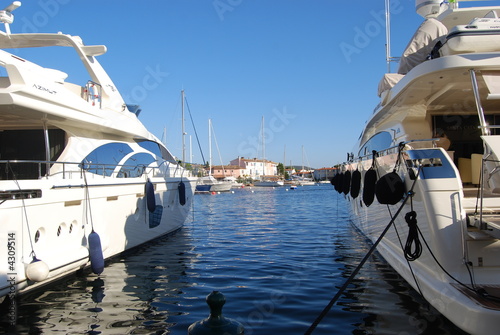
(388, 57)
(388, 34)
(6, 15)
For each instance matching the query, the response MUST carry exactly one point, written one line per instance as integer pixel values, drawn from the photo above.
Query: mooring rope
(325, 311)
(354, 273)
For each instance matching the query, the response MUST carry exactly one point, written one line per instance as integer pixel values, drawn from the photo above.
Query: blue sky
(310, 68)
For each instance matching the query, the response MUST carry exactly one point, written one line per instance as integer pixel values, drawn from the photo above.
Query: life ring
(355, 183)
(150, 196)
(389, 189)
(346, 183)
(369, 186)
(182, 193)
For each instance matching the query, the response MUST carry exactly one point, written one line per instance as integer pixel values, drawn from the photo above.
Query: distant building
(325, 173)
(291, 172)
(256, 168)
(223, 171)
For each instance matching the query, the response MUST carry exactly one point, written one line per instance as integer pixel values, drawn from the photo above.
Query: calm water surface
(278, 256)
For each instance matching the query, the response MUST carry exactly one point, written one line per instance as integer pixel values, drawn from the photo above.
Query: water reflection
(136, 293)
(388, 303)
(277, 256)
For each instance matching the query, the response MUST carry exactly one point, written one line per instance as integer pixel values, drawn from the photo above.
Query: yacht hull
(431, 152)
(56, 226)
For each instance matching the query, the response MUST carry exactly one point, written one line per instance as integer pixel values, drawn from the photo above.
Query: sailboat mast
(183, 131)
(263, 150)
(191, 159)
(210, 147)
(303, 161)
(284, 161)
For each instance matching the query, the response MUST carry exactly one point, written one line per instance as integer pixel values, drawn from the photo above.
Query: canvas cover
(421, 44)
(388, 81)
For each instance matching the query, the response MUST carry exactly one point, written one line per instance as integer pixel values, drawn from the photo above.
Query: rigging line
(87, 200)
(408, 262)
(399, 236)
(398, 159)
(218, 151)
(481, 292)
(360, 265)
(24, 209)
(195, 132)
(471, 274)
(441, 266)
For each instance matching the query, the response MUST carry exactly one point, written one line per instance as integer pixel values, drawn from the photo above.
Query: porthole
(37, 236)
(59, 230)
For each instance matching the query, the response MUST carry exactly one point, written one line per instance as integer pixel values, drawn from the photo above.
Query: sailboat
(423, 183)
(81, 178)
(304, 181)
(266, 181)
(209, 183)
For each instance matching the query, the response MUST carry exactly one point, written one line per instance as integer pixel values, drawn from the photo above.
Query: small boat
(269, 182)
(232, 180)
(305, 181)
(202, 188)
(266, 180)
(424, 180)
(209, 183)
(81, 178)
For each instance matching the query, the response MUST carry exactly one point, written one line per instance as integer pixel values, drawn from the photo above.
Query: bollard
(216, 323)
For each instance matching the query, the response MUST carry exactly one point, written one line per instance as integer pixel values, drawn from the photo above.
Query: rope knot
(411, 218)
(413, 248)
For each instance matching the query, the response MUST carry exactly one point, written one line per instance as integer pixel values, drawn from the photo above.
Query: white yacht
(210, 184)
(81, 178)
(269, 182)
(424, 179)
(233, 181)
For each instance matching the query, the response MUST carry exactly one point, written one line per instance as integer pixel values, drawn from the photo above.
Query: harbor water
(278, 256)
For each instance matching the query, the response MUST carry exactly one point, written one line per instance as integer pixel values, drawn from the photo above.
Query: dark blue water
(278, 256)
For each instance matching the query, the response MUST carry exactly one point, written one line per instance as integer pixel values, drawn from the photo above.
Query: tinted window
(135, 165)
(377, 142)
(158, 150)
(151, 146)
(104, 159)
(28, 145)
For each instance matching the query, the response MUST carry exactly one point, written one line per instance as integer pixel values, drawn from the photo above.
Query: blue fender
(95, 253)
(182, 193)
(150, 196)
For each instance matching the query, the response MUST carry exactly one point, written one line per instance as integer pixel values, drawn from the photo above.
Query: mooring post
(216, 323)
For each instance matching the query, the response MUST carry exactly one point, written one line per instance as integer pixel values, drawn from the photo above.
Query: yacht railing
(37, 169)
(475, 88)
(395, 148)
(93, 93)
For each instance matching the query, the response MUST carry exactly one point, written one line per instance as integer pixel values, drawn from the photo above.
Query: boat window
(103, 160)
(57, 142)
(377, 142)
(135, 165)
(157, 149)
(28, 145)
(463, 132)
